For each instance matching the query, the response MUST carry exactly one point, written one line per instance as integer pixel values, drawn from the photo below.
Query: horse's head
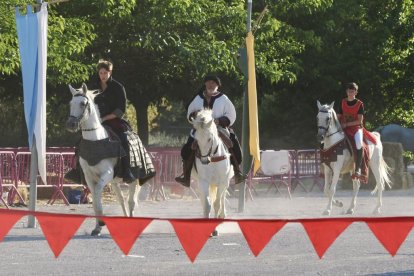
(325, 118)
(203, 119)
(80, 107)
(206, 130)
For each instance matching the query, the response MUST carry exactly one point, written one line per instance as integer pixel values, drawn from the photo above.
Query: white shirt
(221, 106)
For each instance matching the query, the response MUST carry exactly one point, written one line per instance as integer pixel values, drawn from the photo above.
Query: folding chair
(276, 165)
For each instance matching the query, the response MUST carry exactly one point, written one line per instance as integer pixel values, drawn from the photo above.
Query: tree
(65, 62)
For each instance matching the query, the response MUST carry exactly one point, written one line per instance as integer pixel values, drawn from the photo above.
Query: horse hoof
(96, 233)
(101, 223)
(350, 212)
(326, 213)
(377, 211)
(214, 233)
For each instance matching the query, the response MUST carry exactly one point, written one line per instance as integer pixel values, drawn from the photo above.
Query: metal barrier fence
(304, 164)
(15, 172)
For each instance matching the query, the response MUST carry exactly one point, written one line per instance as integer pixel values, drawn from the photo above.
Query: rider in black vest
(111, 102)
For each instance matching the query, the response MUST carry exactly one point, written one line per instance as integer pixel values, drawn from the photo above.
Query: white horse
(84, 116)
(213, 169)
(333, 138)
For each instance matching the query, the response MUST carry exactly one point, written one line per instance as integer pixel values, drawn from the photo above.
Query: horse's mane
(91, 96)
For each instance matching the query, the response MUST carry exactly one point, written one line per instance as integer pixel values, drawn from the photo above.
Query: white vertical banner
(32, 35)
(40, 121)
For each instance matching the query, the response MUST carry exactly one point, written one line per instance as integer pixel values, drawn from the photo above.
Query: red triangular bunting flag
(7, 220)
(322, 233)
(126, 230)
(259, 232)
(392, 233)
(193, 233)
(59, 229)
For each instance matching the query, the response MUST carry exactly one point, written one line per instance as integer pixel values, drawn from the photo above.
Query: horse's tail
(384, 171)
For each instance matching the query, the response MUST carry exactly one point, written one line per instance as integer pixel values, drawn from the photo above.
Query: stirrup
(357, 174)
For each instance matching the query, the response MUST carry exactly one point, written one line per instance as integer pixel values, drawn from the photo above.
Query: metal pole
(249, 15)
(33, 184)
(246, 164)
(34, 168)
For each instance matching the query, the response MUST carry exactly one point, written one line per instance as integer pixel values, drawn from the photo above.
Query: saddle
(330, 155)
(230, 140)
(224, 135)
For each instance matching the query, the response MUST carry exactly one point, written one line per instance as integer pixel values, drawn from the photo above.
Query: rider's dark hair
(213, 78)
(105, 64)
(351, 85)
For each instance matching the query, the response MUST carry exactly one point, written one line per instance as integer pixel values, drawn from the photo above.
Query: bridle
(329, 124)
(209, 157)
(79, 120)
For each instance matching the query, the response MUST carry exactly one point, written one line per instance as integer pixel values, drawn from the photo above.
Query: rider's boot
(185, 178)
(127, 175)
(358, 164)
(239, 177)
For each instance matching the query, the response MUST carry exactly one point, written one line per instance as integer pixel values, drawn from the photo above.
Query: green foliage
(305, 51)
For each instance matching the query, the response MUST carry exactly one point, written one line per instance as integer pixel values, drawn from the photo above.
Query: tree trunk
(141, 109)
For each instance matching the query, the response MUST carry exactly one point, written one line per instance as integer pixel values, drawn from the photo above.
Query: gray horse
(397, 134)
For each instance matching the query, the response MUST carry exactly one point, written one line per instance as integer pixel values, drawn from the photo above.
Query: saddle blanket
(140, 160)
(275, 162)
(94, 151)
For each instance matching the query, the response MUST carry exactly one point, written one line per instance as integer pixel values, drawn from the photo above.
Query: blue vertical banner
(32, 36)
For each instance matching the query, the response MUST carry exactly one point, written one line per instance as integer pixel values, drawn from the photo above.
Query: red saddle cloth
(367, 136)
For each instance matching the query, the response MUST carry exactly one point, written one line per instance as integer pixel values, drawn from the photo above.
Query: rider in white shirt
(224, 115)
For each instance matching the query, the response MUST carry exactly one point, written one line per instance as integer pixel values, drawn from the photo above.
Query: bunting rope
(193, 233)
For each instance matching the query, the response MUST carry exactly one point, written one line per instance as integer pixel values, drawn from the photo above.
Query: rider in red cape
(351, 115)
(224, 115)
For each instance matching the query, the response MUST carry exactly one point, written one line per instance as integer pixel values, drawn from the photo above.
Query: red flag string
(58, 229)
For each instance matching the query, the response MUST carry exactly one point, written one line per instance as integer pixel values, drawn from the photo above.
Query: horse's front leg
(97, 202)
(327, 186)
(220, 202)
(355, 185)
(204, 198)
(92, 189)
(328, 180)
(97, 207)
(331, 193)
